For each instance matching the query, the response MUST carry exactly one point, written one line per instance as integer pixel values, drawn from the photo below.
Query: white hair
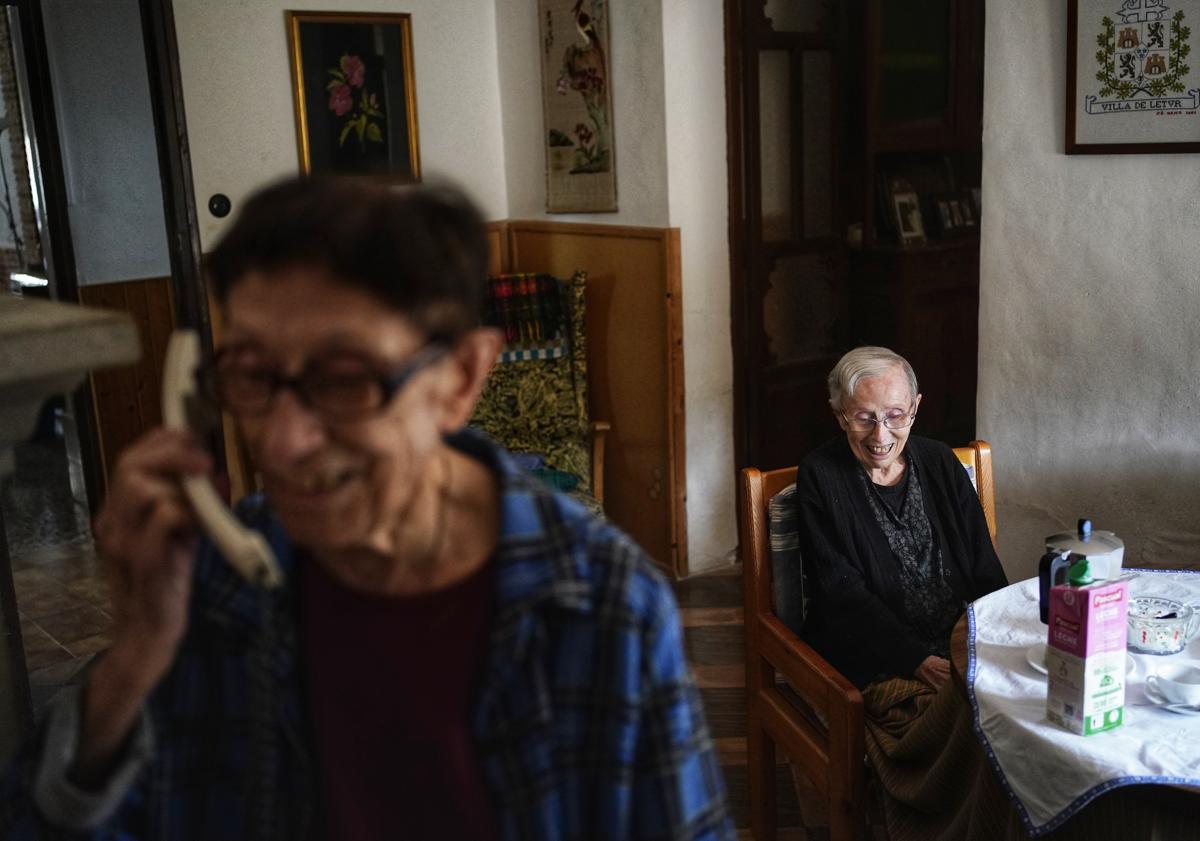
(863, 362)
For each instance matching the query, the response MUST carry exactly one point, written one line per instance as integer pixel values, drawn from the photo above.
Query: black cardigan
(853, 617)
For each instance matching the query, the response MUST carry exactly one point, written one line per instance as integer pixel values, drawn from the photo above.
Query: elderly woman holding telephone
(455, 651)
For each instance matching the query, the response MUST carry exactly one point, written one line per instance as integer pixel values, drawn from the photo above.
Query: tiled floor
(61, 596)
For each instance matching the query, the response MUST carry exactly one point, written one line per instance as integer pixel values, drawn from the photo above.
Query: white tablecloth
(1050, 772)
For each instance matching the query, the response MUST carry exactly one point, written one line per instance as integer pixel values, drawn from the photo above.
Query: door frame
(746, 29)
(188, 284)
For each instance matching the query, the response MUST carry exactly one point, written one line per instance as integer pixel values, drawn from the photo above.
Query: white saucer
(1035, 656)
(1161, 702)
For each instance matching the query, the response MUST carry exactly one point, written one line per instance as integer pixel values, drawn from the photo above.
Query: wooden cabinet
(917, 107)
(819, 121)
(918, 122)
(924, 304)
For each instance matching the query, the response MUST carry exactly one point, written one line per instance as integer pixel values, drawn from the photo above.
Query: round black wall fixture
(219, 205)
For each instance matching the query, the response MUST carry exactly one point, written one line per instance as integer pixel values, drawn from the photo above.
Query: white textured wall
(106, 128)
(697, 179)
(636, 58)
(233, 57)
(1089, 305)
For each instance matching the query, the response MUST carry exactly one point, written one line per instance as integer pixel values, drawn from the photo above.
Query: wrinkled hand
(933, 670)
(145, 533)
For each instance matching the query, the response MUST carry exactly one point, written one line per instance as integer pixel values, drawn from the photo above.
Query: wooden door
(786, 224)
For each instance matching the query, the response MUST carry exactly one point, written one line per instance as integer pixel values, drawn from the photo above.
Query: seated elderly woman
(895, 544)
(893, 537)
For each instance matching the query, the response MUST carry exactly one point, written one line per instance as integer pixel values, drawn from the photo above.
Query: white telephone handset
(246, 550)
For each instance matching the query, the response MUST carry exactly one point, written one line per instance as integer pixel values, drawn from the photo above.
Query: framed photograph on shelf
(1131, 84)
(954, 214)
(906, 212)
(355, 93)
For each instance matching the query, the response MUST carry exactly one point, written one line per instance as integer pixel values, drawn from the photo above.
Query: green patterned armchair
(535, 402)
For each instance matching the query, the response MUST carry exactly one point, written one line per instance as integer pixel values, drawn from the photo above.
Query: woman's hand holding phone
(160, 496)
(145, 536)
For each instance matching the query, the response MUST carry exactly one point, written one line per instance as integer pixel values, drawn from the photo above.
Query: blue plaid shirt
(588, 724)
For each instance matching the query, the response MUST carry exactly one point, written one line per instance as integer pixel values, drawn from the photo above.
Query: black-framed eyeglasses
(337, 395)
(891, 420)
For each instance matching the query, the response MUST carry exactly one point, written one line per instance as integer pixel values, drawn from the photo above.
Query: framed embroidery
(1131, 84)
(355, 94)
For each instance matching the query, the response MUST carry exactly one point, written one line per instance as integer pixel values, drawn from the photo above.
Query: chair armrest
(824, 735)
(599, 430)
(799, 664)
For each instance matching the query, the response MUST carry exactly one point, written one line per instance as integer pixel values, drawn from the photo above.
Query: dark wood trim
(188, 286)
(175, 167)
(779, 249)
(748, 35)
(56, 237)
(128, 399)
(739, 329)
(1069, 145)
(57, 248)
(755, 264)
(13, 654)
(677, 405)
(799, 220)
(769, 39)
(1134, 148)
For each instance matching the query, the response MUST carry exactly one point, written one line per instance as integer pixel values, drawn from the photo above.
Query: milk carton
(1085, 653)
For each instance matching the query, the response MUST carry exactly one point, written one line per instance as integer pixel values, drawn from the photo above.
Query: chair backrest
(976, 457)
(535, 399)
(759, 491)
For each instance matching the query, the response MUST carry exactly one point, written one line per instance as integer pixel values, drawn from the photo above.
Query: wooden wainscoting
(128, 400)
(497, 236)
(635, 365)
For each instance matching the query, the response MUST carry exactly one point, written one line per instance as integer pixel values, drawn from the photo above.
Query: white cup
(1177, 686)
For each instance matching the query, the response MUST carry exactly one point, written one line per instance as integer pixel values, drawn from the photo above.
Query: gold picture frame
(355, 96)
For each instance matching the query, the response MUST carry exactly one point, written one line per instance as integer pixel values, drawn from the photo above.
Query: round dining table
(1123, 809)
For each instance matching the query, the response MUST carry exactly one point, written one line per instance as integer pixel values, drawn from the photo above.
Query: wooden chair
(795, 700)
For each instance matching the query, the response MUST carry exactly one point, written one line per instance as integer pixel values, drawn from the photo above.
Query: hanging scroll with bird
(581, 164)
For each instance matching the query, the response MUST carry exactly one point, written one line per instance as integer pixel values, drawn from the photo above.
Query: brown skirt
(937, 783)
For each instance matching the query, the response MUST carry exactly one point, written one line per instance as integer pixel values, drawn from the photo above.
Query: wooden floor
(711, 609)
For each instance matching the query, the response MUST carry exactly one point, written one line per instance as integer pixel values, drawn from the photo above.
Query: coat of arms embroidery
(1142, 61)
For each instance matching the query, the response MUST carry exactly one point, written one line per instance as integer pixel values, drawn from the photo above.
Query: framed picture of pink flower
(355, 94)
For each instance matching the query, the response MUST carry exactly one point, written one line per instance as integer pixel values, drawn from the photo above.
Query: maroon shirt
(390, 685)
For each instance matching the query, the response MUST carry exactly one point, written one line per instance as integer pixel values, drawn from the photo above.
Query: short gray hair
(863, 362)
